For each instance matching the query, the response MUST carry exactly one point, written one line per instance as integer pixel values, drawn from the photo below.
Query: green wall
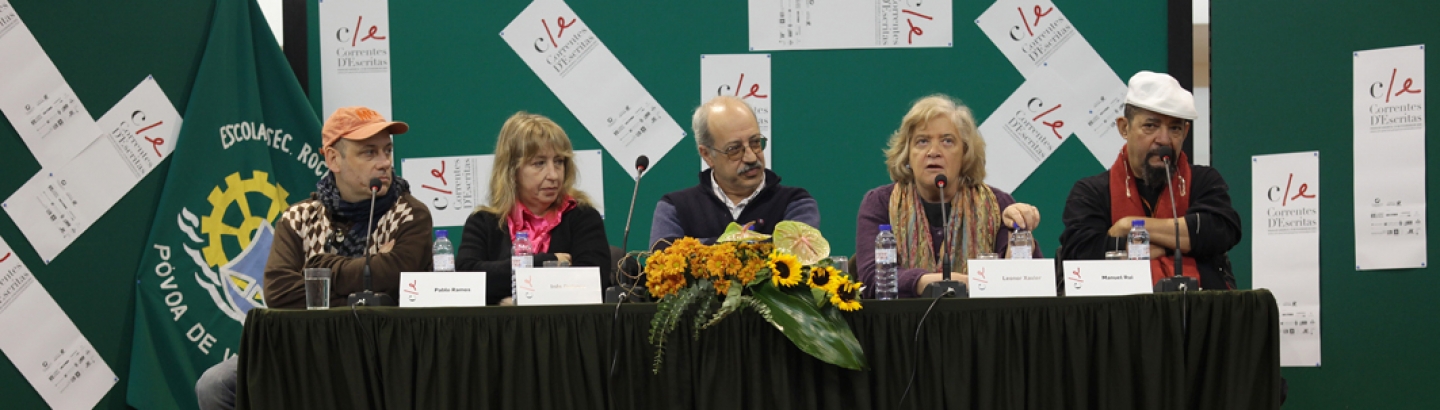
(455, 82)
(103, 49)
(1281, 83)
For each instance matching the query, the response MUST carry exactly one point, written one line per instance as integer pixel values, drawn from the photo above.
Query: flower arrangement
(787, 278)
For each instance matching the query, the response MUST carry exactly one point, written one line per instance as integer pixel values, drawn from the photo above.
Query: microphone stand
(1179, 282)
(946, 287)
(367, 297)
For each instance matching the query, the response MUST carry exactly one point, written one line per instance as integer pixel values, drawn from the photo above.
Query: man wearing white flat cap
(1101, 208)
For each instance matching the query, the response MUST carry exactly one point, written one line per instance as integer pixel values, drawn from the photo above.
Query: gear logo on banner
(241, 216)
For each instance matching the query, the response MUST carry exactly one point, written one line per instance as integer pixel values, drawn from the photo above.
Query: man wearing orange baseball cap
(330, 229)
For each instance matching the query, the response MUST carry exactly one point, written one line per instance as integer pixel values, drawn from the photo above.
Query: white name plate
(1010, 278)
(1107, 278)
(442, 289)
(558, 286)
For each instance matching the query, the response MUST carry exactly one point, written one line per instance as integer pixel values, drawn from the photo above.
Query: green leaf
(824, 336)
(762, 276)
(819, 295)
(733, 301)
(737, 233)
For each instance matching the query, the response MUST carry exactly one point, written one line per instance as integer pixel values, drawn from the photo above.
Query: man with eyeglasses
(736, 188)
(1100, 210)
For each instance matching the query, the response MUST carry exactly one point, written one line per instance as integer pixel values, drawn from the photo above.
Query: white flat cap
(1162, 94)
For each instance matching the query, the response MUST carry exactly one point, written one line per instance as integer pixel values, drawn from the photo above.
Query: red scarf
(1125, 201)
(539, 227)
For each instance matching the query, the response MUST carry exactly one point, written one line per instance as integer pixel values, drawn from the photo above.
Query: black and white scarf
(352, 243)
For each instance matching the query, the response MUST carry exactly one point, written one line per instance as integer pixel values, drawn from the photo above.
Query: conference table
(1200, 350)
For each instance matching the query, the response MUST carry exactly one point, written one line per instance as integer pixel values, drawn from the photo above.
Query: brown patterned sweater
(301, 235)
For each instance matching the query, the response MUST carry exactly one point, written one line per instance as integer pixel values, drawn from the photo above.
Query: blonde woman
(532, 190)
(937, 137)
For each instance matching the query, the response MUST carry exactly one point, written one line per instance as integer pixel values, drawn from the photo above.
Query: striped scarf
(973, 208)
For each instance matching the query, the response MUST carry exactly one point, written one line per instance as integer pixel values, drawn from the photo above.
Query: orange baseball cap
(358, 123)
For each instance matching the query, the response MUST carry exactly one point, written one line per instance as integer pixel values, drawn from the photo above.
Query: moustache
(749, 167)
(1161, 152)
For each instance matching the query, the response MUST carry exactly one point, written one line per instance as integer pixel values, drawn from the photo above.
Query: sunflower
(825, 277)
(846, 295)
(785, 270)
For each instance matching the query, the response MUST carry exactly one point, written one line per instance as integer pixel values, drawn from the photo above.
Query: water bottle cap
(884, 227)
(441, 234)
(522, 235)
(1137, 222)
(1015, 226)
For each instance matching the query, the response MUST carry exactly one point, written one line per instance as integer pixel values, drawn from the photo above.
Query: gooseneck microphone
(946, 287)
(368, 297)
(616, 294)
(945, 257)
(1179, 282)
(369, 226)
(641, 164)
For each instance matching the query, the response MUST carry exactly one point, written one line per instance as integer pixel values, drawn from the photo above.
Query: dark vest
(702, 215)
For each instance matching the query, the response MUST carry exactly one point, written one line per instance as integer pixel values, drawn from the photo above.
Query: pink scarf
(539, 227)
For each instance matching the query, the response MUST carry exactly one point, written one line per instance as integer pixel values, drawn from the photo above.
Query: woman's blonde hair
(523, 137)
(972, 157)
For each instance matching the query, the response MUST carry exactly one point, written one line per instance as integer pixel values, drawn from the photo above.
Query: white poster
(44, 344)
(1025, 129)
(743, 76)
(355, 55)
(1040, 41)
(453, 187)
(58, 204)
(591, 82)
(36, 99)
(812, 25)
(1285, 244)
(1390, 158)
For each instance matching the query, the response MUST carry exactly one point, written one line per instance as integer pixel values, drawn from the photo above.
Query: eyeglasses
(736, 150)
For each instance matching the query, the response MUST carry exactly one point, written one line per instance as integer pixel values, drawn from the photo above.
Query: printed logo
(236, 236)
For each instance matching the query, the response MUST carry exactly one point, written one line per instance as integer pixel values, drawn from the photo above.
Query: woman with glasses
(937, 137)
(736, 188)
(532, 191)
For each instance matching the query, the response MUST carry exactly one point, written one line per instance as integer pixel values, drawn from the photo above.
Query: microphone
(946, 287)
(641, 164)
(1179, 282)
(367, 297)
(945, 257)
(616, 293)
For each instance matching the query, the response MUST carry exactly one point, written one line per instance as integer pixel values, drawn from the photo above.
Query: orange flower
(689, 248)
(665, 273)
(722, 286)
(720, 261)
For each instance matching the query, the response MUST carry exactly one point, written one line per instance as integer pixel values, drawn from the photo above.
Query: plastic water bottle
(886, 286)
(1021, 243)
(520, 257)
(444, 252)
(1139, 241)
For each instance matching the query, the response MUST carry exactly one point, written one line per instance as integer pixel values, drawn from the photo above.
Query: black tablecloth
(1044, 353)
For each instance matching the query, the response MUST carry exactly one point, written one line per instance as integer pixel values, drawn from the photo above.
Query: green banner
(249, 147)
